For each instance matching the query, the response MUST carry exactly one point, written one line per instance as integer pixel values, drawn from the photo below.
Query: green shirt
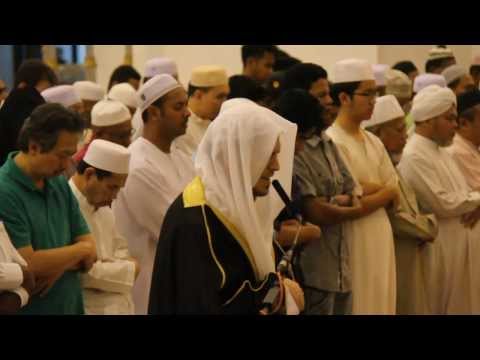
(44, 219)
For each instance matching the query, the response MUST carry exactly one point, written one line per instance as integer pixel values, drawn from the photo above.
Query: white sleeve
(11, 276)
(116, 276)
(431, 194)
(23, 294)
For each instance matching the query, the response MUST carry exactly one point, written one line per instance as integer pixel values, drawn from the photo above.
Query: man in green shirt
(41, 214)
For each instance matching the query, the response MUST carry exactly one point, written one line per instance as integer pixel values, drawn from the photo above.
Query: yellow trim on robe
(194, 195)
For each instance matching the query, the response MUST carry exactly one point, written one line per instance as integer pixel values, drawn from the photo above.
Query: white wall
(188, 56)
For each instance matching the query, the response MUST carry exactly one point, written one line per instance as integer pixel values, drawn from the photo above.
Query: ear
(89, 173)
(251, 61)
(198, 94)
(344, 98)
(34, 147)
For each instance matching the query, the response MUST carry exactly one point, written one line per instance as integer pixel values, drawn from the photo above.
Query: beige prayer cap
(109, 113)
(88, 90)
(432, 101)
(453, 72)
(62, 94)
(398, 84)
(209, 76)
(352, 70)
(108, 156)
(440, 53)
(386, 109)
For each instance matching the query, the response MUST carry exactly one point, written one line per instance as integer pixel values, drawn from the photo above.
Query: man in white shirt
(207, 90)
(441, 189)
(107, 287)
(158, 173)
(16, 281)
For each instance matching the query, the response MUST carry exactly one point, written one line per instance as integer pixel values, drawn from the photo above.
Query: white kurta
(155, 180)
(108, 285)
(11, 274)
(441, 189)
(370, 238)
(196, 129)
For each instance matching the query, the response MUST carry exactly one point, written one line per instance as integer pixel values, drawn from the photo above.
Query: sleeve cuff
(11, 276)
(24, 297)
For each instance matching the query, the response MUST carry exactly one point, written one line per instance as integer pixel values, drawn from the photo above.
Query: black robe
(186, 276)
(18, 106)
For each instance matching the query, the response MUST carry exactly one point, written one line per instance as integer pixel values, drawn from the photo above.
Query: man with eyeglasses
(452, 274)
(370, 234)
(159, 171)
(414, 230)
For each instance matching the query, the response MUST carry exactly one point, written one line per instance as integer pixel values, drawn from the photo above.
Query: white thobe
(155, 180)
(370, 238)
(441, 189)
(196, 129)
(107, 287)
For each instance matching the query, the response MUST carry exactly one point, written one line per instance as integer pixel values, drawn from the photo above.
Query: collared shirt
(108, 284)
(467, 157)
(44, 219)
(320, 172)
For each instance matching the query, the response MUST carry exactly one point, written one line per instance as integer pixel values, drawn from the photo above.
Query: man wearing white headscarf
(107, 287)
(370, 236)
(412, 228)
(458, 79)
(215, 254)
(158, 173)
(441, 189)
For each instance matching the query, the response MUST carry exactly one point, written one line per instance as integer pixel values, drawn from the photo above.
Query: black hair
(301, 108)
(405, 66)
(242, 86)
(122, 74)
(45, 123)
(474, 70)
(157, 103)
(433, 64)
(82, 166)
(302, 76)
(192, 89)
(256, 51)
(32, 71)
(348, 88)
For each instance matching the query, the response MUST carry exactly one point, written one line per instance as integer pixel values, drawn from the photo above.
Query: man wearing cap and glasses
(107, 287)
(159, 172)
(440, 187)
(413, 230)
(371, 237)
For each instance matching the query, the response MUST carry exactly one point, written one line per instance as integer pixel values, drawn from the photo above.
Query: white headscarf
(231, 158)
(432, 101)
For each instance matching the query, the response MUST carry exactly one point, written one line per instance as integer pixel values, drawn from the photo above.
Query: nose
(187, 112)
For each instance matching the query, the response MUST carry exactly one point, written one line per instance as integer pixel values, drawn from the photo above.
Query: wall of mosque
(188, 56)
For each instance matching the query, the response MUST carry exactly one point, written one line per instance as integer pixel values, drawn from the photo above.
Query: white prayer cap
(432, 101)
(440, 53)
(209, 76)
(109, 113)
(379, 73)
(62, 94)
(125, 93)
(108, 156)
(424, 80)
(398, 84)
(453, 72)
(160, 65)
(352, 70)
(155, 88)
(88, 90)
(386, 109)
